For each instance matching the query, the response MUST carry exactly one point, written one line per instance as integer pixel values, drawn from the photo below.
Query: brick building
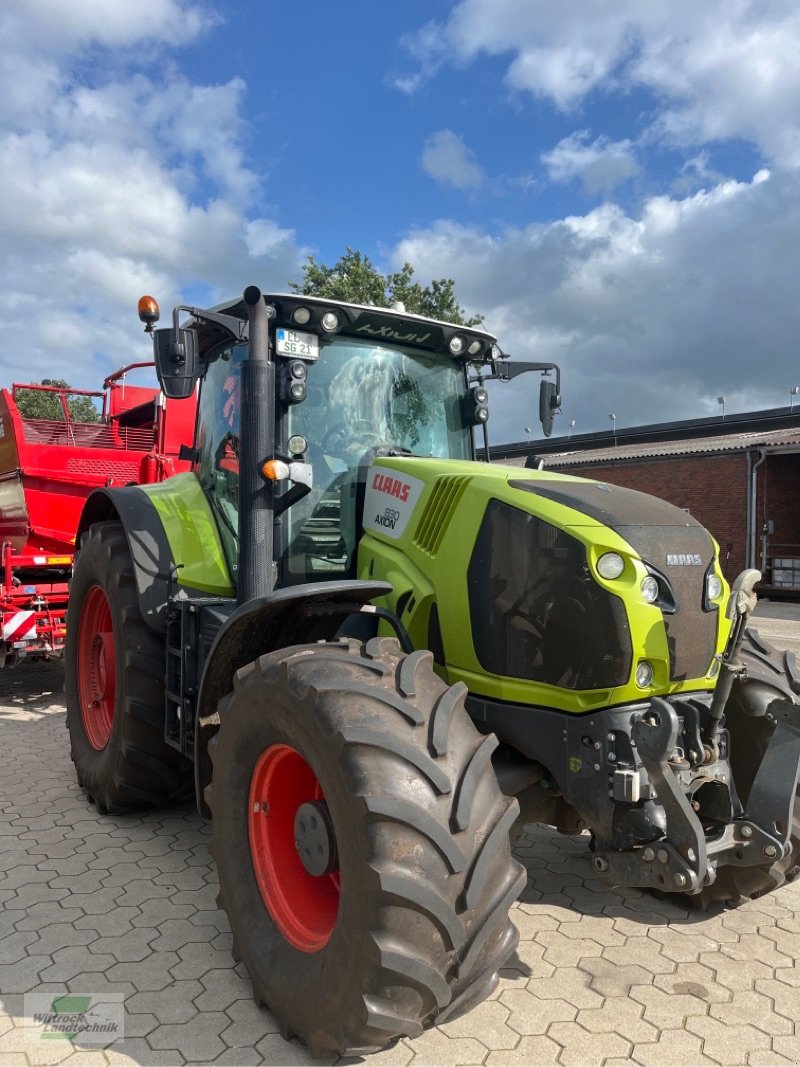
(743, 484)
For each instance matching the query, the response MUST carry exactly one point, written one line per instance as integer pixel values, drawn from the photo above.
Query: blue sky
(612, 185)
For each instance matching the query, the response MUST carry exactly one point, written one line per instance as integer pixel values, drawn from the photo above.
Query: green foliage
(355, 279)
(37, 404)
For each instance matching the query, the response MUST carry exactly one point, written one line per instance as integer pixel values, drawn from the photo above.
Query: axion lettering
(392, 334)
(388, 519)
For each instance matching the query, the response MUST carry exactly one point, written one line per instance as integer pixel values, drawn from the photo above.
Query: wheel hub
(314, 838)
(96, 663)
(293, 847)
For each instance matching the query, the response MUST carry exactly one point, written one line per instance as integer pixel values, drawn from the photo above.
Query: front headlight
(713, 587)
(649, 589)
(644, 674)
(610, 565)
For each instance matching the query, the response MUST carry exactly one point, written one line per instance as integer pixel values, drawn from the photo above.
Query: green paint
(192, 534)
(434, 566)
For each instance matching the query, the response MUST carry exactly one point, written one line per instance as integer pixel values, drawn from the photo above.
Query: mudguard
(172, 538)
(295, 615)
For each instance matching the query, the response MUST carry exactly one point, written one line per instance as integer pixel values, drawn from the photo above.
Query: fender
(153, 563)
(295, 615)
(172, 538)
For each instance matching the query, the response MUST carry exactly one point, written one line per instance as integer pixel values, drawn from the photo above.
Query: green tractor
(367, 656)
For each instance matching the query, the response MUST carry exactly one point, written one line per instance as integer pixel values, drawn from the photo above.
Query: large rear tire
(362, 844)
(114, 670)
(771, 675)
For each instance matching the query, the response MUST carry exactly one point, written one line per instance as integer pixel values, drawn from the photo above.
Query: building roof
(784, 419)
(784, 440)
(773, 428)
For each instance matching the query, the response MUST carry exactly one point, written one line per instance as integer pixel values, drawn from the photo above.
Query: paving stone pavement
(126, 905)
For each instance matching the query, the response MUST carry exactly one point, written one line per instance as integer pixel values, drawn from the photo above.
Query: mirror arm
(506, 371)
(237, 328)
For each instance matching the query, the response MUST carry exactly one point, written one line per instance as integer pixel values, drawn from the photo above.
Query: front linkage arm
(684, 860)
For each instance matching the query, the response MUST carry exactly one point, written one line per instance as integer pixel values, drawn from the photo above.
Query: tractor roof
(388, 325)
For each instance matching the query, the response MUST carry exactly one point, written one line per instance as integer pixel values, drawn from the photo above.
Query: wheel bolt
(747, 831)
(680, 880)
(648, 855)
(770, 851)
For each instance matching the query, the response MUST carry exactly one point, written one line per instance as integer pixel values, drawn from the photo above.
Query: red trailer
(47, 469)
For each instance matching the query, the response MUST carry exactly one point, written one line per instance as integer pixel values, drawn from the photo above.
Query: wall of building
(713, 488)
(779, 503)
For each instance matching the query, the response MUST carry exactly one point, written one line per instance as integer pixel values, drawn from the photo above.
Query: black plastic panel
(672, 542)
(536, 611)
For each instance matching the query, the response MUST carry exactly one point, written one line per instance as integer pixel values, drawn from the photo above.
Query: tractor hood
(497, 571)
(665, 536)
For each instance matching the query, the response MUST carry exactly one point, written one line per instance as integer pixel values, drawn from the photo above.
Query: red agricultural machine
(48, 467)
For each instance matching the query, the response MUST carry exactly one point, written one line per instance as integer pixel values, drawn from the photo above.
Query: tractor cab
(348, 383)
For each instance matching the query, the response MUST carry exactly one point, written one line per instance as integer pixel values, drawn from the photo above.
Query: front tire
(114, 681)
(771, 675)
(390, 914)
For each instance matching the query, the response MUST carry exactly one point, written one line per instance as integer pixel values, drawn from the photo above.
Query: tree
(354, 278)
(37, 404)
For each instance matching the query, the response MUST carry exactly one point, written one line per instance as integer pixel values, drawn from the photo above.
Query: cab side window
(218, 426)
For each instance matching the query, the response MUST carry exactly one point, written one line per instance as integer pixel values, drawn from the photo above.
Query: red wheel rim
(303, 907)
(97, 668)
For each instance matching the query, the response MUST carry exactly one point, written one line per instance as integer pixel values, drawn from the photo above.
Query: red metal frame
(48, 467)
(33, 612)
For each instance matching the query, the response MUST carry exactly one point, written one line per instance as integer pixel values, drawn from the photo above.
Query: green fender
(173, 540)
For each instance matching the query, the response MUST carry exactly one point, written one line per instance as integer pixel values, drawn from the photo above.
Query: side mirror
(549, 401)
(176, 356)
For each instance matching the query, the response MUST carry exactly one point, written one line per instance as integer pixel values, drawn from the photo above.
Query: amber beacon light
(148, 311)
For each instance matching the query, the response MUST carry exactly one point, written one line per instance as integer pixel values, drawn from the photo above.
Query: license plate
(294, 343)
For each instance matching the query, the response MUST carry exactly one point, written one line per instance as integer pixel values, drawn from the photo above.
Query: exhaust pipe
(257, 443)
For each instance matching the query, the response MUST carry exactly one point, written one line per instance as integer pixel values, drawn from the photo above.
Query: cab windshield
(362, 396)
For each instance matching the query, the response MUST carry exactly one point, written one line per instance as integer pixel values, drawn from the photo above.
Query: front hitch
(684, 860)
(678, 862)
(687, 857)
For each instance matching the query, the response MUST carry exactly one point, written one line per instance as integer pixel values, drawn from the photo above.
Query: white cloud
(449, 161)
(650, 316)
(425, 47)
(656, 310)
(601, 165)
(134, 181)
(717, 70)
(61, 27)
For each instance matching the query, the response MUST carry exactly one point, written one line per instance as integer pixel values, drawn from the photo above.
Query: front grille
(536, 612)
(435, 518)
(691, 630)
(656, 530)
